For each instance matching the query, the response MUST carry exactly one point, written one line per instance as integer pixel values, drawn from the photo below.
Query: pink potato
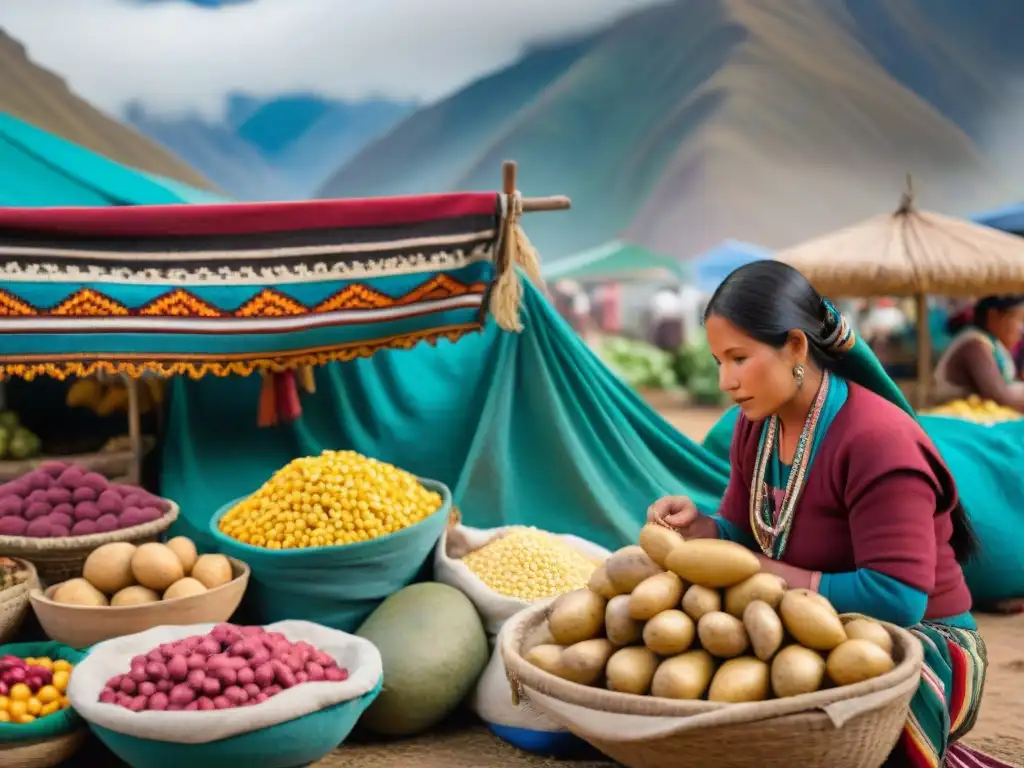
(65, 509)
(53, 468)
(70, 477)
(11, 505)
(132, 498)
(110, 501)
(37, 495)
(96, 481)
(84, 493)
(136, 516)
(106, 523)
(38, 529)
(13, 526)
(205, 704)
(57, 518)
(84, 528)
(37, 509)
(58, 494)
(86, 510)
(107, 696)
(17, 488)
(158, 702)
(58, 531)
(38, 481)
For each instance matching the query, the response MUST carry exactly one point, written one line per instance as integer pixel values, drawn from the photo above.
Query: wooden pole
(924, 351)
(134, 429)
(540, 204)
(508, 177)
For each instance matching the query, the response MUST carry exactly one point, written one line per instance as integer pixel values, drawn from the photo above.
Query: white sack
(458, 541)
(360, 657)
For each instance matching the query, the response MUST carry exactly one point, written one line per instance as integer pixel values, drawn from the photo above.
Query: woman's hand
(795, 578)
(680, 513)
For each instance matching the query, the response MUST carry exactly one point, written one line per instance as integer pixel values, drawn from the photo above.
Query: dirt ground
(1000, 728)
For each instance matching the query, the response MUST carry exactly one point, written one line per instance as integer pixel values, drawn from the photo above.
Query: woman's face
(757, 377)
(1007, 325)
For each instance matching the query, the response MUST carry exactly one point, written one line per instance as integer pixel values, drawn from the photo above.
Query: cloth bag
(337, 586)
(110, 658)
(492, 698)
(60, 722)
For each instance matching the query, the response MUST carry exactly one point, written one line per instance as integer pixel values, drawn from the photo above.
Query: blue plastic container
(293, 744)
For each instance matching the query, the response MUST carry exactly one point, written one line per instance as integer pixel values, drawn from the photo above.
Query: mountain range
(278, 148)
(36, 95)
(695, 121)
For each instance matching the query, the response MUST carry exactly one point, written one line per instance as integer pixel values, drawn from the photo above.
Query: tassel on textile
(266, 415)
(514, 250)
(307, 380)
(286, 395)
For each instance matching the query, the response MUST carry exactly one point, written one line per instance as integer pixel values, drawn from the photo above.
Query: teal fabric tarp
(526, 428)
(985, 461)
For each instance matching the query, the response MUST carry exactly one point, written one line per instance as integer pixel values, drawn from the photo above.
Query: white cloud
(176, 56)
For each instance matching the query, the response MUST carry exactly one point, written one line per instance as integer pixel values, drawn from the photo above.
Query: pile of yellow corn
(338, 497)
(975, 409)
(529, 564)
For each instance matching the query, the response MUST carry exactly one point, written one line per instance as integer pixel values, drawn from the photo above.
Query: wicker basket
(80, 626)
(62, 559)
(45, 753)
(851, 727)
(14, 602)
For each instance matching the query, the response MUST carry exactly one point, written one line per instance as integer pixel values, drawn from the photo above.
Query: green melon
(434, 649)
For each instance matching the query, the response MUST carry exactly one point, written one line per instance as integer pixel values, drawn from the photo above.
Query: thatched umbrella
(912, 253)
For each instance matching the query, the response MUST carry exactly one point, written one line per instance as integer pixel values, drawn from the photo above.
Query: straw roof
(912, 252)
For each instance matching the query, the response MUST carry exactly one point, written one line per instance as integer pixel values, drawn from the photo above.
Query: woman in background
(837, 488)
(980, 360)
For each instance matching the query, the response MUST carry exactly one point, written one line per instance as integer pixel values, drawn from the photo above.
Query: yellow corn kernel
(338, 497)
(529, 564)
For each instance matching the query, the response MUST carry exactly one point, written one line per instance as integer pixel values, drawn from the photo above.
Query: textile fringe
(515, 250)
(64, 370)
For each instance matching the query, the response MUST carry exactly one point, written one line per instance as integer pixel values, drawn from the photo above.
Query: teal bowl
(338, 586)
(292, 744)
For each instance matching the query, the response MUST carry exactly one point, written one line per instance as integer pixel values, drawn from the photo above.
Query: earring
(798, 374)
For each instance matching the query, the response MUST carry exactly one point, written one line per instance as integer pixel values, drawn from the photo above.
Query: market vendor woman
(839, 489)
(979, 360)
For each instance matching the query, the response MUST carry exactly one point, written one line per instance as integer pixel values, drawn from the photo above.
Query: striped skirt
(945, 706)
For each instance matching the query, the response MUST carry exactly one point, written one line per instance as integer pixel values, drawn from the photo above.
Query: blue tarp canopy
(43, 170)
(714, 266)
(1009, 218)
(615, 260)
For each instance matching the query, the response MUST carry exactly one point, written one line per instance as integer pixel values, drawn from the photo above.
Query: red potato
(86, 510)
(96, 481)
(39, 494)
(38, 529)
(110, 502)
(84, 528)
(53, 468)
(11, 505)
(13, 526)
(37, 509)
(61, 520)
(106, 523)
(58, 494)
(83, 493)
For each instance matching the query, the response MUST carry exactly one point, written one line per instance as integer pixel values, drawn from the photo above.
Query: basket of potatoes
(684, 648)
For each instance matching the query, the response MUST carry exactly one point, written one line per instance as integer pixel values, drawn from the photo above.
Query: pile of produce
(106, 399)
(229, 667)
(530, 564)
(336, 498)
(975, 409)
(32, 688)
(16, 442)
(60, 499)
(697, 620)
(639, 364)
(698, 373)
(122, 574)
(11, 573)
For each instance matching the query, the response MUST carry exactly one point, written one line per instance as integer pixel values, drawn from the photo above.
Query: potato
(810, 622)
(584, 663)
(185, 549)
(684, 677)
(699, 600)
(797, 670)
(577, 616)
(619, 627)
(601, 584)
(628, 567)
(713, 562)
(657, 541)
(866, 629)
(766, 587)
(740, 680)
(764, 627)
(109, 567)
(186, 587)
(856, 661)
(79, 592)
(548, 658)
(655, 594)
(212, 570)
(669, 633)
(722, 635)
(134, 595)
(630, 670)
(816, 596)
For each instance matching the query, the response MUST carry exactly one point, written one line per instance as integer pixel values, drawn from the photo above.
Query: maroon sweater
(878, 496)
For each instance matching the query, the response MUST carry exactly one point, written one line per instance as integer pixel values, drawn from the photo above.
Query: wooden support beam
(531, 204)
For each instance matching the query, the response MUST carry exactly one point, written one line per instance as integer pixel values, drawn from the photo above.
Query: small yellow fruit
(34, 706)
(61, 678)
(20, 692)
(47, 694)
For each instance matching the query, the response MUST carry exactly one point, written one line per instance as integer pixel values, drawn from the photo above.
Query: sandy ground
(1000, 728)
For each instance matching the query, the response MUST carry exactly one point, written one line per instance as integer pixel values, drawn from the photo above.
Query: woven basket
(81, 626)
(62, 559)
(14, 602)
(45, 753)
(850, 727)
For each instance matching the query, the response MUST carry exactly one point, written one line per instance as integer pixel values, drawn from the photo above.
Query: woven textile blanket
(233, 288)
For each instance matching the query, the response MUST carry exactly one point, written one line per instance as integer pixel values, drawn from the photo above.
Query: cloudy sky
(175, 56)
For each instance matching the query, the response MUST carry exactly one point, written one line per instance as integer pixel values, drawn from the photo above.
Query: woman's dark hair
(993, 303)
(767, 300)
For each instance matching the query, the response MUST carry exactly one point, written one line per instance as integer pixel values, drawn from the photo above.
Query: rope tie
(514, 251)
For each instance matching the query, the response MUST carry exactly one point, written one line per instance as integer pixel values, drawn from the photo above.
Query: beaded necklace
(771, 526)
